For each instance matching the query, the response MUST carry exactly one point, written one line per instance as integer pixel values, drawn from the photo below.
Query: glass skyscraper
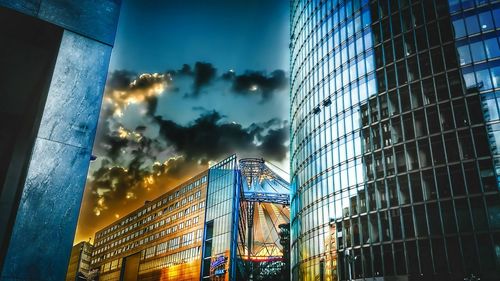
(395, 139)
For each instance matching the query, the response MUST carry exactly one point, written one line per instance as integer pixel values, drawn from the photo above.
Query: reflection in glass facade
(395, 125)
(221, 217)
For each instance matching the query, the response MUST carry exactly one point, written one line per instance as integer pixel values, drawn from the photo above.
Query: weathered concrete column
(47, 213)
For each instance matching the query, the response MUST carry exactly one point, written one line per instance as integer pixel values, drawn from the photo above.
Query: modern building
(394, 136)
(54, 57)
(210, 227)
(79, 262)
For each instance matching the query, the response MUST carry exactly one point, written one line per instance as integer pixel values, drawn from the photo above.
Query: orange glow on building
(163, 238)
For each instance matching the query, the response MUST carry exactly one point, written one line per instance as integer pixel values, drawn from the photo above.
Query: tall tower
(394, 157)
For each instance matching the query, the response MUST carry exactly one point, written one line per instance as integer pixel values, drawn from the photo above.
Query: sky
(190, 82)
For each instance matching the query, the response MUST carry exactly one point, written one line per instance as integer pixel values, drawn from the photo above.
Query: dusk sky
(190, 82)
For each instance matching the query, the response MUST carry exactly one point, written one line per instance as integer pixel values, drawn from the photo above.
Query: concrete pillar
(45, 220)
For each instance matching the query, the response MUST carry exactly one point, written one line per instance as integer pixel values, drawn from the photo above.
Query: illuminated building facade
(79, 262)
(394, 158)
(159, 241)
(196, 231)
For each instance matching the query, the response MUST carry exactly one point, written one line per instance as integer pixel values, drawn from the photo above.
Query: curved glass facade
(395, 125)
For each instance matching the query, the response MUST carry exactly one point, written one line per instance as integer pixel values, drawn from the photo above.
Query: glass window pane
(483, 79)
(495, 74)
(486, 21)
(459, 27)
(464, 54)
(492, 48)
(478, 51)
(490, 110)
(496, 16)
(472, 24)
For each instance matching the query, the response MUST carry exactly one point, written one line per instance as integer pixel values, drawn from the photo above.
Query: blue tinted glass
(467, 4)
(361, 67)
(492, 48)
(490, 109)
(472, 24)
(470, 80)
(370, 62)
(477, 50)
(486, 21)
(496, 16)
(464, 54)
(348, 6)
(483, 79)
(459, 27)
(368, 40)
(350, 29)
(366, 17)
(495, 75)
(454, 5)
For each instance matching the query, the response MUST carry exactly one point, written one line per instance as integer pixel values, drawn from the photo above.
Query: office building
(394, 158)
(210, 227)
(79, 262)
(54, 60)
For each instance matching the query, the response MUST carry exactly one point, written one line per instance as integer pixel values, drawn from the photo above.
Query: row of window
(150, 218)
(166, 231)
(152, 207)
(458, 5)
(170, 260)
(336, 57)
(476, 22)
(172, 244)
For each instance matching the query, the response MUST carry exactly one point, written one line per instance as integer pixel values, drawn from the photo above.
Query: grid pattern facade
(221, 218)
(79, 262)
(167, 232)
(393, 139)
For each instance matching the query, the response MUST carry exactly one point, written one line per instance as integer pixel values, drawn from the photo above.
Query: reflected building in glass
(395, 125)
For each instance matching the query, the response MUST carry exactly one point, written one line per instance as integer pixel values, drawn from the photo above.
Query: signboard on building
(218, 267)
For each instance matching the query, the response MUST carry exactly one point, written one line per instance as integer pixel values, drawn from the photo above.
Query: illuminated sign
(218, 262)
(217, 266)
(218, 272)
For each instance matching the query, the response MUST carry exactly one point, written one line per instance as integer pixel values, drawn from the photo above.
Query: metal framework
(261, 197)
(266, 196)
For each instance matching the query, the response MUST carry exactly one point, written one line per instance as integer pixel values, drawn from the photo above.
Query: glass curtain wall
(221, 218)
(392, 141)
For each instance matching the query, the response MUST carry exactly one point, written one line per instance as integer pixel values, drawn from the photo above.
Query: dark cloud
(125, 87)
(151, 105)
(185, 70)
(142, 162)
(249, 83)
(273, 143)
(229, 75)
(199, 108)
(119, 80)
(121, 179)
(258, 82)
(204, 73)
(209, 138)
